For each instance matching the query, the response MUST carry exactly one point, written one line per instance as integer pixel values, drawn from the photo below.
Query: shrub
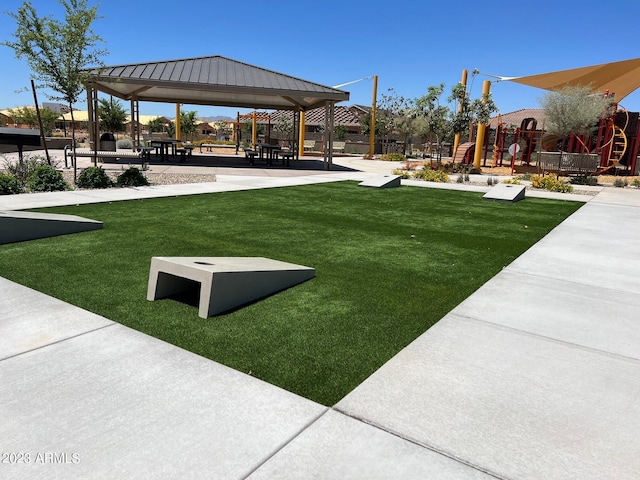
(404, 174)
(9, 185)
(393, 157)
(620, 183)
(491, 180)
(524, 177)
(45, 178)
(124, 143)
(132, 177)
(432, 175)
(512, 181)
(636, 183)
(550, 182)
(584, 180)
(22, 171)
(460, 179)
(94, 177)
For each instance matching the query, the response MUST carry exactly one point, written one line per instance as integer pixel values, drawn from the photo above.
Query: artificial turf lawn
(389, 264)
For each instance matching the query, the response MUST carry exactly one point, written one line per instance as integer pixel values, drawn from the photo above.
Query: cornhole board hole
(506, 192)
(383, 181)
(225, 283)
(17, 226)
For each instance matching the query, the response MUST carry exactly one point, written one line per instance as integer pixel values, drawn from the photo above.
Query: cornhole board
(225, 283)
(507, 192)
(17, 226)
(382, 181)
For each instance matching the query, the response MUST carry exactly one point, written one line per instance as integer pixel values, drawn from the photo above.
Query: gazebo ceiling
(216, 81)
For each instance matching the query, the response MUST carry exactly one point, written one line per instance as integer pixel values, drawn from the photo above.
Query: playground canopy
(214, 80)
(619, 78)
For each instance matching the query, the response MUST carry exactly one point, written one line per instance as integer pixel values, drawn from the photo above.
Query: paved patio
(535, 376)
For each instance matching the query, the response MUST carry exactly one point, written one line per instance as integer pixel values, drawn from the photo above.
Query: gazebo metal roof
(214, 80)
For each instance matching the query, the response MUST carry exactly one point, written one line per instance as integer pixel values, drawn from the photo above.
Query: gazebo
(215, 81)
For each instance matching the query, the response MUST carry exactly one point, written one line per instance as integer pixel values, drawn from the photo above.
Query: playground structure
(612, 147)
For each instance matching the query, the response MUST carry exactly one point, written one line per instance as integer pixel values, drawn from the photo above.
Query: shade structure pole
(477, 157)
(301, 137)
(294, 139)
(132, 128)
(254, 129)
(372, 125)
(178, 133)
(456, 140)
(328, 134)
(331, 127)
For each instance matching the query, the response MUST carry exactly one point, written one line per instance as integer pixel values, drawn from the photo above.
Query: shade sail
(620, 78)
(216, 80)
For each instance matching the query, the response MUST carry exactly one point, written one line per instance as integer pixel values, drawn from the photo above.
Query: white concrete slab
(512, 404)
(126, 405)
(595, 246)
(30, 320)
(339, 447)
(594, 317)
(619, 196)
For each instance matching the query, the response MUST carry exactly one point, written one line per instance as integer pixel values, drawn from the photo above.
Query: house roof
(619, 78)
(215, 80)
(343, 115)
(516, 118)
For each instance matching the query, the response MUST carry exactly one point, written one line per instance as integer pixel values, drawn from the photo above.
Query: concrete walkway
(535, 376)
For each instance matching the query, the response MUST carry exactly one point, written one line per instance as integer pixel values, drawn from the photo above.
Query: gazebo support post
(301, 136)
(328, 134)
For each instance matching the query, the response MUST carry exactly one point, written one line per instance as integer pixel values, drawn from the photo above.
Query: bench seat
(85, 152)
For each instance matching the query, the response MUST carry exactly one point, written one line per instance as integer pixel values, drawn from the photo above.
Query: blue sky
(409, 44)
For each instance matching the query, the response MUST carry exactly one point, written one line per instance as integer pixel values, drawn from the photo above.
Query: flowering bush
(432, 175)
(393, 157)
(550, 182)
(22, 171)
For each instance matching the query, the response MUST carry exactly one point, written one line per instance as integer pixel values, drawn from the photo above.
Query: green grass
(389, 264)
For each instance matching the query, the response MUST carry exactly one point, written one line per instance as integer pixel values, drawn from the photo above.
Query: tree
(573, 110)
(58, 53)
(112, 115)
(284, 125)
(392, 112)
(341, 132)
(365, 125)
(188, 126)
(438, 125)
(156, 125)
(29, 116)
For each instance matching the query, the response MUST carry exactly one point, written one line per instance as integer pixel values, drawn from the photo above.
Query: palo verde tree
(112, 115)
(58, 52)
(573, 110)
